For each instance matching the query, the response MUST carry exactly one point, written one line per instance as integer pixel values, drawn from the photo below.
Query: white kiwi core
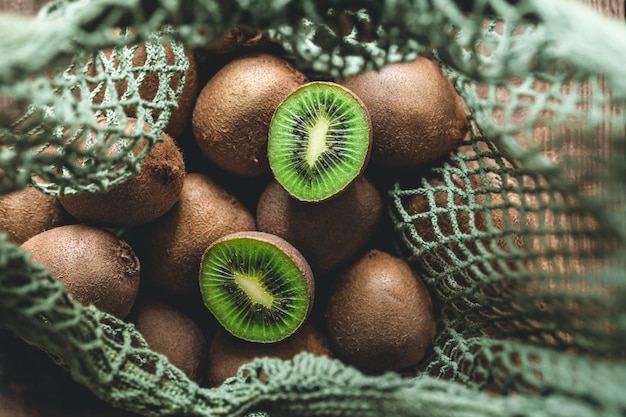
(252, 286)
(316, 145)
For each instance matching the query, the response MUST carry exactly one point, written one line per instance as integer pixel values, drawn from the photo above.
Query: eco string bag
(529, 290)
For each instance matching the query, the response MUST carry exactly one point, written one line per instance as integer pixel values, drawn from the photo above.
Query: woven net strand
(524, 249)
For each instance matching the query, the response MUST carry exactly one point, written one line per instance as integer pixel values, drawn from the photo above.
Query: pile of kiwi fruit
(258, 227)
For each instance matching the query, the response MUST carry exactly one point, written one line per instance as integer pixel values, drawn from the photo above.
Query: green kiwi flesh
(258, 286)
(319, 141)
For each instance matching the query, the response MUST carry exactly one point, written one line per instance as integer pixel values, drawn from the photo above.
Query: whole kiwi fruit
(149, 84)
(172, 333)
(328, 233)
(379, 315)
(417, 116)
(95, 266)
(238, 40)
(227, 353)
(464, 231)
(233, 111)
(170, 248)
(501, 200)
(27, 212)
(449, 218)
(143, 197)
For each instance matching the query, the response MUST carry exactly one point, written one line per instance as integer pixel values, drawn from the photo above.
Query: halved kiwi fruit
(257, 285)
(319, 141)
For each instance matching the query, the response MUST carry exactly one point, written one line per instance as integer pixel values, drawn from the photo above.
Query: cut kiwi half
(319, 142)
(257, 285)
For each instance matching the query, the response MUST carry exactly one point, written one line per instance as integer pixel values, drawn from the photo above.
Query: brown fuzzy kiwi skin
(473, 238)
(28, 212)
(379, 316)
(172, 333)
(228, 353)
(417, 116)
(142, 198)
(170, 248)
(95, 266)
(236, 40)
(233, 111)
(181, 114)
(465, 242)
(327, 233)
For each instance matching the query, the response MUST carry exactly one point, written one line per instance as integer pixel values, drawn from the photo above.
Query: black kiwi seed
(257, 285)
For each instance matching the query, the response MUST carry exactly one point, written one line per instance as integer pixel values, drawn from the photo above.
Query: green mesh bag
(519, 235)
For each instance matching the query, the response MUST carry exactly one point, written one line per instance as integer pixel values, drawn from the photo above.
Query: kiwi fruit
(233, 111)
(328, 233)
(149, 84)
(228, 353)
(143, 197)
(379, 316)
(257, 285)
(319, 141)
(448, 216)
(28, 212)
(462, 241)
(95, 266)
(172, 333)
(170, 247)
(417, 116)
(237, 40)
